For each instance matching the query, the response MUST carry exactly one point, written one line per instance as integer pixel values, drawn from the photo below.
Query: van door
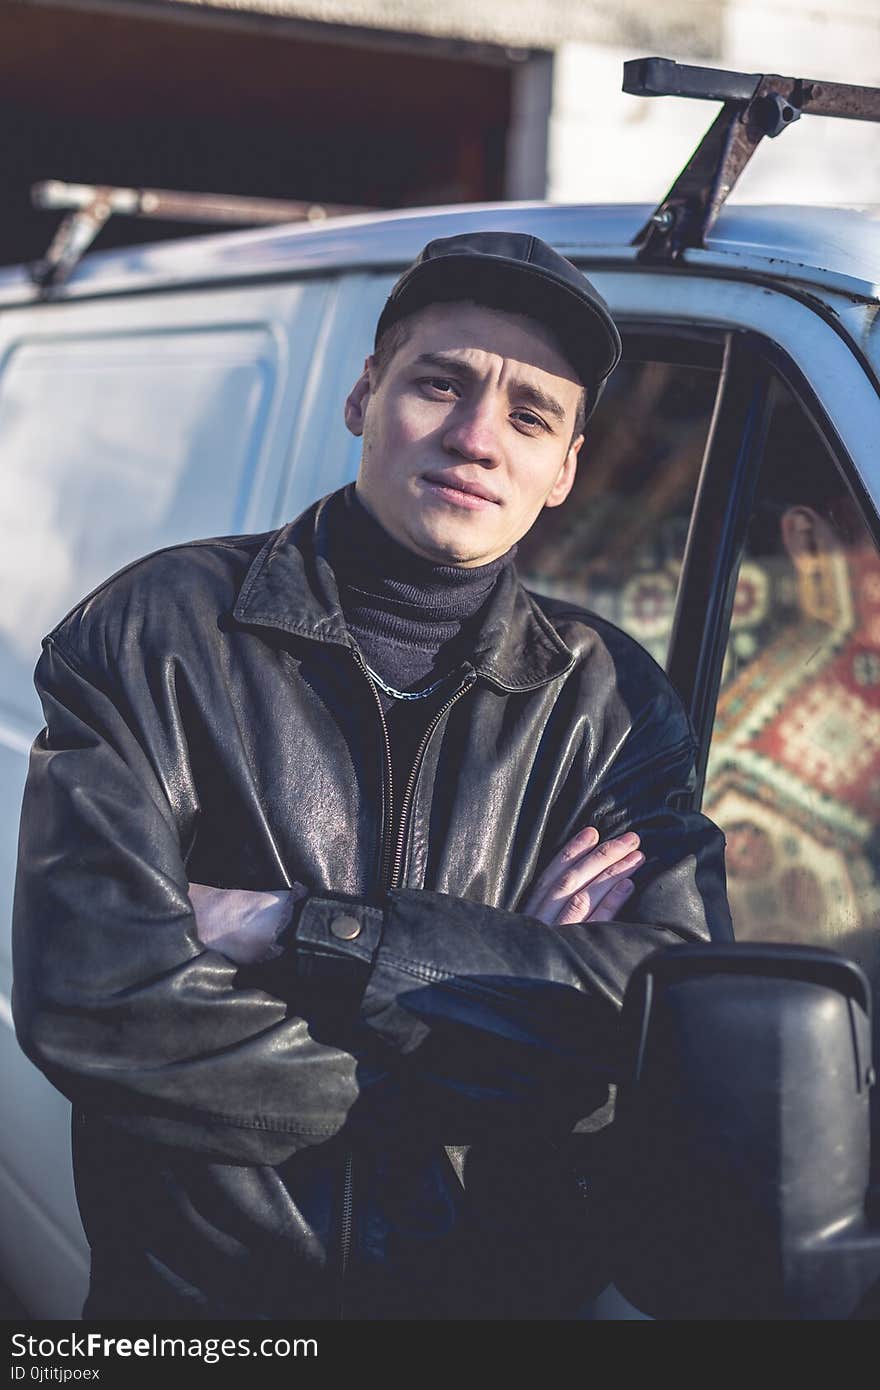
(127, 423)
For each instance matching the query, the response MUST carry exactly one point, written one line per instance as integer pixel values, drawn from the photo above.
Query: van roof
(834, 247)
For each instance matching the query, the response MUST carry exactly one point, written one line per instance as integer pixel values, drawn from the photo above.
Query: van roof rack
(755, 105)
(90, 206)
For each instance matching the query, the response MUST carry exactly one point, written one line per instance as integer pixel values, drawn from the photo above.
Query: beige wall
(827, 161)
(608, 146)
(689, 26)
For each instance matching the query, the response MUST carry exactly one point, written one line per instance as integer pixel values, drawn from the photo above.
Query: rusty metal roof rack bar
(90, 206)
(755, 105)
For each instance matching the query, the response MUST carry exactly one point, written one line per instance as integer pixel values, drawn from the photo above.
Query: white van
(195, 388)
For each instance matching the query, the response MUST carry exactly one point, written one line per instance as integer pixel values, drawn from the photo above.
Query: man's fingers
(582, 905)
(581, 861)
(583, 886)
(613, 902)
(578, 845)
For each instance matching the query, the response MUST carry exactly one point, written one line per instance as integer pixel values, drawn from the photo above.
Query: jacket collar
(291, 587)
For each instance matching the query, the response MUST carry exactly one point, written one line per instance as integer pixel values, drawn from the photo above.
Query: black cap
(521, 274)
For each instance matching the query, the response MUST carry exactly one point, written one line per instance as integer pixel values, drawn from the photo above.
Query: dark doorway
(101, 96)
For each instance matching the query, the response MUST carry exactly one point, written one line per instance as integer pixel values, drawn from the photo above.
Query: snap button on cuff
(346, 928)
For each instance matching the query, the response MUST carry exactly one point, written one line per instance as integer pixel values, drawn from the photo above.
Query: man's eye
(440, 384)
(528, 418)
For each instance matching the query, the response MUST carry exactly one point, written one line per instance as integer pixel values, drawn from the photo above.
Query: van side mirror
(743, 1142)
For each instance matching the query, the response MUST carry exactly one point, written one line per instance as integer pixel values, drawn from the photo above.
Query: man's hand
(240, 923)
(586, 881)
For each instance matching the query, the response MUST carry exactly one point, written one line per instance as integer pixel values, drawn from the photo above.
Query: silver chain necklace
(406, 694)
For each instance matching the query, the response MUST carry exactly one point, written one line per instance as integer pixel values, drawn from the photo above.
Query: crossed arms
(499, 1017)
(587, 881)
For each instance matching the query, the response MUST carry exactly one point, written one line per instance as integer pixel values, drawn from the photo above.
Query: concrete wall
(839, 40)
(687, 25)
(608, 146)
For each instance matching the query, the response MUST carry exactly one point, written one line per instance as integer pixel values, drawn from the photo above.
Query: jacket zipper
(397, 866)
(388, 818)
(390, 873)
(391, 870)
(345, 1229)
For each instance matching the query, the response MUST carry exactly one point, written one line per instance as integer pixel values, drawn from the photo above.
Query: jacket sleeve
(114, 997)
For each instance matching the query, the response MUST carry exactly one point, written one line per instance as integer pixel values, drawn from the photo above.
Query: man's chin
(448, 546)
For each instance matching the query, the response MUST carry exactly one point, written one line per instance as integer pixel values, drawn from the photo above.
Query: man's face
(468, 433)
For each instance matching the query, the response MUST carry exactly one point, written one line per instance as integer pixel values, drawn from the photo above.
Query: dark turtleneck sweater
(412, 619)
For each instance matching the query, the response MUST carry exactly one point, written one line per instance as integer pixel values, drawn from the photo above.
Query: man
(323, 845)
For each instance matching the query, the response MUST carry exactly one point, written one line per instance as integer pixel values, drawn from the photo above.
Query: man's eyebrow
(526, 394)
(445, 362)
(533, 395)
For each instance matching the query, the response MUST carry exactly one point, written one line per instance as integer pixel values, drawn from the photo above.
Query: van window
(794, 766)
(616, 544)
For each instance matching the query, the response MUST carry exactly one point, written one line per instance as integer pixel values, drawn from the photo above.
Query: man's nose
(473, 432)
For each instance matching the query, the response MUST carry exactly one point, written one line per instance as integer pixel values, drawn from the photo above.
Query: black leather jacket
(383, 1114)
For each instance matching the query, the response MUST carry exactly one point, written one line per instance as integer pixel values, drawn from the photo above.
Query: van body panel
(127, 426)
(49, 1273)
(323, 455)
(133, 427)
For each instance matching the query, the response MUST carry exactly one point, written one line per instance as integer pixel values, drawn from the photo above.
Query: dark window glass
(615, 546)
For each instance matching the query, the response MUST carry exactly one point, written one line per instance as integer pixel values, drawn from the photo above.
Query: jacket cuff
(335, 942)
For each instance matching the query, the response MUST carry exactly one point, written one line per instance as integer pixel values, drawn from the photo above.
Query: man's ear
(563, 485)
(358, 398)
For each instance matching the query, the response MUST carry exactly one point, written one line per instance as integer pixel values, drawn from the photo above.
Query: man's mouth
(461, 492)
